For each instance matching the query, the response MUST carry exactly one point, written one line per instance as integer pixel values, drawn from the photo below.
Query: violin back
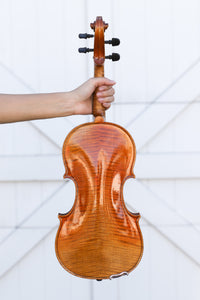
(99, 237)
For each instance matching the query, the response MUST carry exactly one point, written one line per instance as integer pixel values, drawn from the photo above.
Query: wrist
(75, 102)
(66, 104)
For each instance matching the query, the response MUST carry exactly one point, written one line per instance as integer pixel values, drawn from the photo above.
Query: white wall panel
(31, 286)
(187, 199)
(162, 268)
(5, 27)
(25, 139)
(185, 21)
(131, 70)
(8, 205)
(187, 279)
(180, 135)
(39, 53)
(24, 38)
(27, 198)
(138, 283)
(6, 133)
(158, 46)
(11, 82)
(51, 31)
(6, 282)
(105, 289)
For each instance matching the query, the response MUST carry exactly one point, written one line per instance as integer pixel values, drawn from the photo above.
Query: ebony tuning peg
(114, 57)
(85, 35)
(85, 50)
(113, 42)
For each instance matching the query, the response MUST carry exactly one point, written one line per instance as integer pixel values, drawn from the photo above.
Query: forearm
(15, 108)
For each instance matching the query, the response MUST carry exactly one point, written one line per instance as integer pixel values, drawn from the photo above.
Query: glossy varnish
(99, 237)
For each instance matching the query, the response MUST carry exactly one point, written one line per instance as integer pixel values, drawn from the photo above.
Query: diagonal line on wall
(165, 91)
(34, 211)
(17, 78)
(154, 118)
(172, 241)
(183, 233)
(40, 222)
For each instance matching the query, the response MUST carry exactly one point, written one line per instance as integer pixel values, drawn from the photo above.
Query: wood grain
(97, 108)
(99, 237)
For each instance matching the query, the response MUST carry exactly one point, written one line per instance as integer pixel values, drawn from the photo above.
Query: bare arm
(15, 108)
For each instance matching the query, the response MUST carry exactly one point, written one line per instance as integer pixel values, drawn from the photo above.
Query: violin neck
(97, 108)
(98, 70)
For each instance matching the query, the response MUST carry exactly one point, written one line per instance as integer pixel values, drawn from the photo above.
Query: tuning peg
(85, 35)
(114, 57)
(85, 50)
(113, 42)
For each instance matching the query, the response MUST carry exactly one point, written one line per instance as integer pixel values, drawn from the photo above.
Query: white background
(157, 100)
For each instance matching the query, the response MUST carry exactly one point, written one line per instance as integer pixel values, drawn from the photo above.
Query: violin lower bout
(93, 254)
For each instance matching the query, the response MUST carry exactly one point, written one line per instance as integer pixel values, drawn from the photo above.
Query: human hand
(82, 96)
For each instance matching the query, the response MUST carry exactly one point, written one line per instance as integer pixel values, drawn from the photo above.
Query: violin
(99, 238)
